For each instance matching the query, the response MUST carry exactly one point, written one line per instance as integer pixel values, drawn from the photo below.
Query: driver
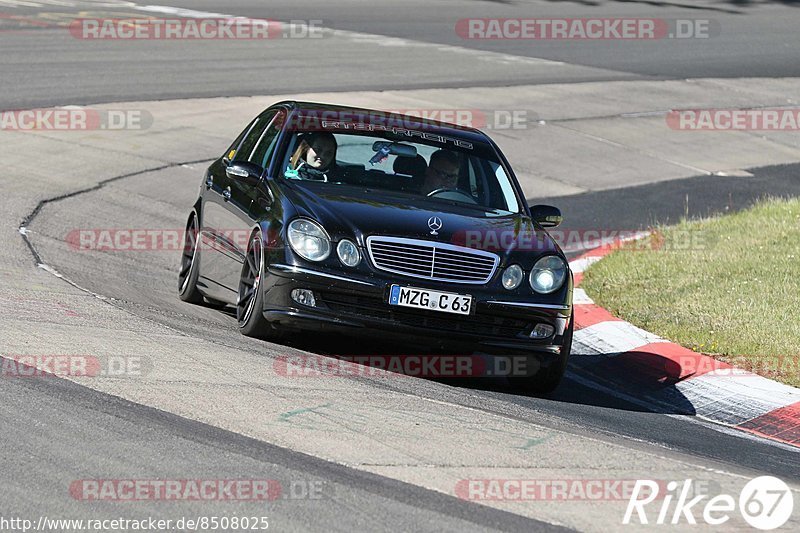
(315, 158)
(442, 172)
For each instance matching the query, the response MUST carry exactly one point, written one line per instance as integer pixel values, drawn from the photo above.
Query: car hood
(358, 213)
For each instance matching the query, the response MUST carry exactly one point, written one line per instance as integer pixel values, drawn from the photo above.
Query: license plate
(446, 302)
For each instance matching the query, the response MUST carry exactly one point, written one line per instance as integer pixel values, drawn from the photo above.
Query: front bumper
(357, 303)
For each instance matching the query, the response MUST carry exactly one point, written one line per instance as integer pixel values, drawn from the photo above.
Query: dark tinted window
(251, 139)
(232, 150)
(266, 145)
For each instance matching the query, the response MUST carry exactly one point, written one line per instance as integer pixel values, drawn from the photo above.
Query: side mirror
(245, 171)
(546, 216)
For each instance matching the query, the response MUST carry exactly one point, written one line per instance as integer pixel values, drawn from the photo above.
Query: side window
(232, 150)
(251, 139)
(266, 144)
(508, 194)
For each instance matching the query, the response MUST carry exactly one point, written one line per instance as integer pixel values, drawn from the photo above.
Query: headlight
(548, 274)
(308, 239)
(348, 253)
(512, 277)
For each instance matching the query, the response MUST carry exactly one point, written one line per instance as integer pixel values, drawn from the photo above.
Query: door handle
(226, 194)
(209, 182)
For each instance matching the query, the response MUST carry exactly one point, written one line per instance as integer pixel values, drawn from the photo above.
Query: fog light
(304, 297)
(542, 331)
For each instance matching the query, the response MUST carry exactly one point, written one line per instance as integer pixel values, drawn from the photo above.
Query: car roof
(430, 125)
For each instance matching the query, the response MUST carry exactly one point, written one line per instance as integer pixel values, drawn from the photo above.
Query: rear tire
(250, 303)
(547, 379)
(190, 264)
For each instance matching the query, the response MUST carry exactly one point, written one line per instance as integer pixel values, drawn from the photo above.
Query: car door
(262, 196)
(244, 202)
(219, 251)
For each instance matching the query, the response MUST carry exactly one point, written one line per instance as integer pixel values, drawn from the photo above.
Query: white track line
(611, 338)
(374, 39)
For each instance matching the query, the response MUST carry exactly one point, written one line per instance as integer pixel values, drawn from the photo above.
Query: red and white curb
(632, 362)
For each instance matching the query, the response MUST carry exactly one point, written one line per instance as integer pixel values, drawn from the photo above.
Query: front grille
(432, 260)
(484, 325)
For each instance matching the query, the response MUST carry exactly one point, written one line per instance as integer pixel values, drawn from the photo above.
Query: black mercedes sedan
(325, 218)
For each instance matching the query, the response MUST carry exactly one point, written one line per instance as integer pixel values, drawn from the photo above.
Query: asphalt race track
(366, 452)
(756, 41)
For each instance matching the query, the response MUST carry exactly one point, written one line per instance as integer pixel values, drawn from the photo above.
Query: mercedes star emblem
(435, 223)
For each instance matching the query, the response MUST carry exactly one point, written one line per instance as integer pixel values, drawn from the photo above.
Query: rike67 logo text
(765, 503)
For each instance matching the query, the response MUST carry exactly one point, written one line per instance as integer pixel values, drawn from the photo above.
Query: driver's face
(321, 153)
(442, 175)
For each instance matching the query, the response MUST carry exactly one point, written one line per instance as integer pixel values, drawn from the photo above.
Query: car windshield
(454, 172)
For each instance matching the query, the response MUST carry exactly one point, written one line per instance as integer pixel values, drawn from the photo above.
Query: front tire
(190, 264)
(250, 303)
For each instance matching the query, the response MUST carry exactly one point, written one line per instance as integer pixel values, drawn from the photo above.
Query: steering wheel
(458, 192)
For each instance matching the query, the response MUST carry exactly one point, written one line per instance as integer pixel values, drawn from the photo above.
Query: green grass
(728, 287)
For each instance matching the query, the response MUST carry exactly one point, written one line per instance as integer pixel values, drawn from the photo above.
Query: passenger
(315, 157)
(442, 172)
